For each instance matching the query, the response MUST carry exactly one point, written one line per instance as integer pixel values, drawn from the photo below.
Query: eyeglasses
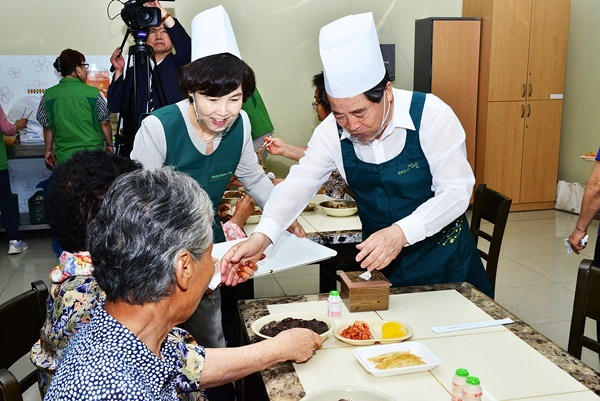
(315, 104)
(86, 65)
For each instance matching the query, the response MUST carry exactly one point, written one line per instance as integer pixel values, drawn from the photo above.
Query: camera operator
(168, 36)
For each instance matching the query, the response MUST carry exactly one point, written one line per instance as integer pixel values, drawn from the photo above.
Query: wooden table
(483, 351)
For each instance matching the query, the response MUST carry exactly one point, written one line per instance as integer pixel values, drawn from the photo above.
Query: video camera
(137, 16)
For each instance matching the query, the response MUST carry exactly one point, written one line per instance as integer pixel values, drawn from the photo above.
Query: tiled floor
(536, 277)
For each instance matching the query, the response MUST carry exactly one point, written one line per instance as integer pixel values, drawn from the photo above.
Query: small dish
(233, 196)
(310, 207)
(589, 158)
(347, 393)
(376, 333)
(339, 208)
(364, 353)
(258, 323)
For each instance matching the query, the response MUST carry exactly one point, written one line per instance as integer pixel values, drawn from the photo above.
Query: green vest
(211, 171)
(3, 157)
(72, 111)
(258, 115)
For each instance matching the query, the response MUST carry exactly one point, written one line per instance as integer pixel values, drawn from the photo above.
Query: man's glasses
(86, 65)
(315, 104)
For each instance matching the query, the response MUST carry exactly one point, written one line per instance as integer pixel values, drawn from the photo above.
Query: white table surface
(509, 368)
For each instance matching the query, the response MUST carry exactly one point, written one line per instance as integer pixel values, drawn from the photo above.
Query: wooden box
(361, 295)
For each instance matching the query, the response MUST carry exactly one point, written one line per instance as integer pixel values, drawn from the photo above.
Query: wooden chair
(493, 207)
(21, 319)
(586, 304)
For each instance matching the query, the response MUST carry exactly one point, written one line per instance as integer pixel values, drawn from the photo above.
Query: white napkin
(366, 275)
(583, 241)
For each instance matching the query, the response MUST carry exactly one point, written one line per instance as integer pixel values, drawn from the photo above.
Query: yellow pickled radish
(392, 330)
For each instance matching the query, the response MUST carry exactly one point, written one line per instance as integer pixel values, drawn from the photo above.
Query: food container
(365, 295)
(256, 326)
(233, 196)
(363, 354)
(339, 208)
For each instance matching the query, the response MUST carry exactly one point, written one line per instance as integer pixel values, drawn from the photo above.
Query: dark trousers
(597, 252)
(9, 215)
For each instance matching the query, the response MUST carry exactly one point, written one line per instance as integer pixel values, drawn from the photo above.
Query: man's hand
(297, 229)
(21, 123)
(275, 146)
(251, 249)
(117, 61)
(50, 158)
(377, 251)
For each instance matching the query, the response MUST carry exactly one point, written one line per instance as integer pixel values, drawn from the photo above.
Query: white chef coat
(442, 140)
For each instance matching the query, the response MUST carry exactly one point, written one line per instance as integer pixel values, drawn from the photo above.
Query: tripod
(144, 79)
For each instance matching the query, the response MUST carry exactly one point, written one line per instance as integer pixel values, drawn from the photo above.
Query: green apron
(211, 171)
(72, 109)
(390, 191)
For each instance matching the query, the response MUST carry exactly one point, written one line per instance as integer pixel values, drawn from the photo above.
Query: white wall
(278, 38)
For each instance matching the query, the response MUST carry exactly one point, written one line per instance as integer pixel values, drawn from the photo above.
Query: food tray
(362, 354)
(297, 315)
(375, 333)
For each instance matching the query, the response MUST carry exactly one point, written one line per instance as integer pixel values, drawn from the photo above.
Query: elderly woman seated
(151, 244)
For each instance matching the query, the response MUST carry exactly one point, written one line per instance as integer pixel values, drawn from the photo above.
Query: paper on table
(466, 326)
(289, 252)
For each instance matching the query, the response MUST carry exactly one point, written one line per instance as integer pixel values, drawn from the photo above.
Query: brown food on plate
(392, 360)
(273, 328)
(257, 212)
(358, 331)
(233, 194)
(338, 205)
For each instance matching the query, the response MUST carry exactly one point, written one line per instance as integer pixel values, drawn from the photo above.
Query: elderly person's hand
(244, 208)
(297, 344)
(377, 251)
(223, 211)
(21, 123)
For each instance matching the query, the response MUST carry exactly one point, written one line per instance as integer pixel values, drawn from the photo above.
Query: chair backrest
(586, 304)
(21, 318)
(493, 207)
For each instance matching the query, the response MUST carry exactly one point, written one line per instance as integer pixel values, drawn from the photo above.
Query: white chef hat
(351, 56)
(212, 34)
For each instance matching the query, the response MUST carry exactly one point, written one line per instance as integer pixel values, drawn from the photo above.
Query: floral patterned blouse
(74, 295)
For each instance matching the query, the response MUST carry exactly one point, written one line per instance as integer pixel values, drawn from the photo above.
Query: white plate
(416, 348)
(347, 393)
(589, 158)
(232, 200)
(298, 315)
(376, 333)
(339, 212)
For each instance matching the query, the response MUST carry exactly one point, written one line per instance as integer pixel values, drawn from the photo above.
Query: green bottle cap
(462, 372)
(473, 380)
(334, 293)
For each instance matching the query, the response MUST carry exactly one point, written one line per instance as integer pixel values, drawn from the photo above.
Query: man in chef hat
(208, 136)
(402, 154)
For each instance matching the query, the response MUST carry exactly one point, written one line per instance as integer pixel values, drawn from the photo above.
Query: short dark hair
(375, 94)
(147, 219)
(217, 75)
(77, 188)
(68, 60)
(318, 82)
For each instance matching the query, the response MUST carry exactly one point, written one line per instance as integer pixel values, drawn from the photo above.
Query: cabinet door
(504, 147)
(509, 50)
(541, 142)
(548, 48)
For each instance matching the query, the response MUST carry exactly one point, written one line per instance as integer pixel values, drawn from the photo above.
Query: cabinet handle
(528, 110)
(524, 90)
(530, 90)
(522, 111)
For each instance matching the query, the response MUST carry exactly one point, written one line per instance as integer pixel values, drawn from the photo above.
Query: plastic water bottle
(458, 382)
(472, 389)
(334, 305)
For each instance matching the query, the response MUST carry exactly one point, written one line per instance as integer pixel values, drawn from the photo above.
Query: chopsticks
(28, 115)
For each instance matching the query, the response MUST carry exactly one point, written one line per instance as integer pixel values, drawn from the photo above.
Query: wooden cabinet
(447, 65)
(521, 82)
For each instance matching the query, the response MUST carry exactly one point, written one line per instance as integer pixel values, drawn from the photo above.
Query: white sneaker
(15, 247)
